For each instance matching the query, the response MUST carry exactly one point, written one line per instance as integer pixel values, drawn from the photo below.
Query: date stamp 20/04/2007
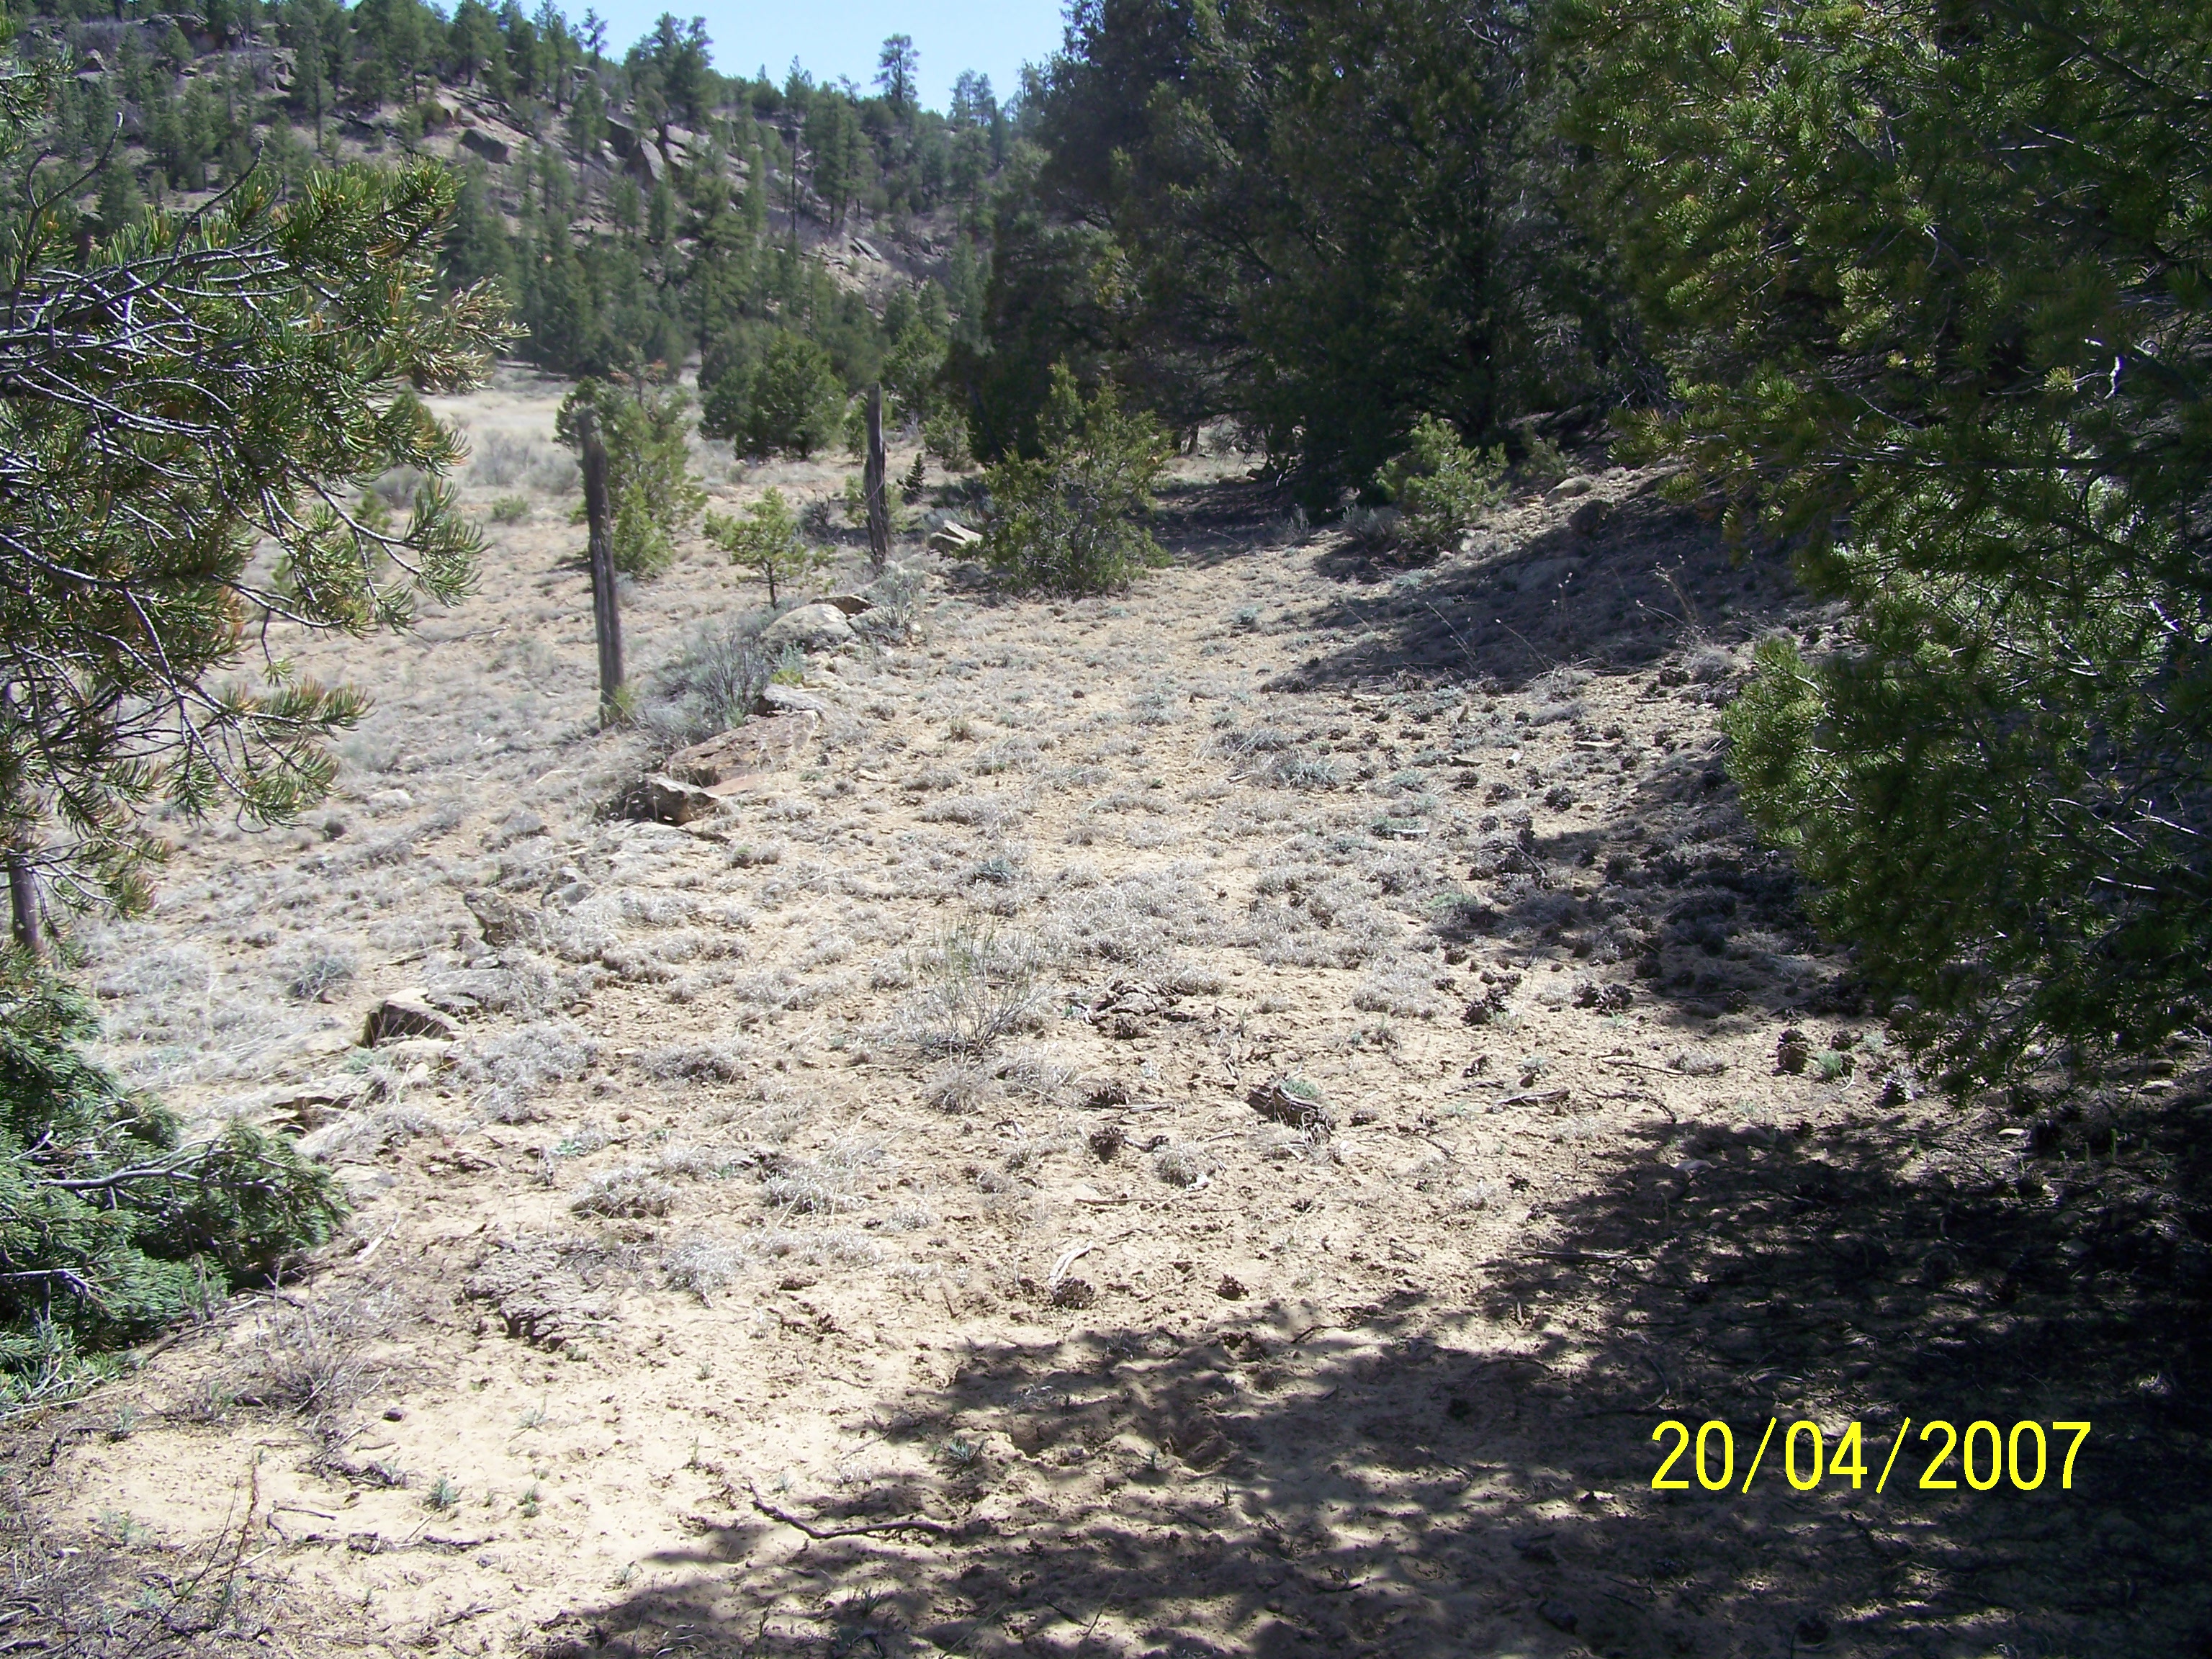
(1987, 1456)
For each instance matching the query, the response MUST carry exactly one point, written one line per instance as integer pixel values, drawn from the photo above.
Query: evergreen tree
(1930, 289)
(649, 481)
(237, 378)
(1073, 519)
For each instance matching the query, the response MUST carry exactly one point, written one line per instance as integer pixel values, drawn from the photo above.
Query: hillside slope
(1214, 1121)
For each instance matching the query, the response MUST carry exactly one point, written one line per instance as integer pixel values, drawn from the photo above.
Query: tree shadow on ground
(1458, 1469)
(1645, 578)
(1203, 524)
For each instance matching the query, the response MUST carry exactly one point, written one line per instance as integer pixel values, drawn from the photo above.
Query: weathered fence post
(606, 618)
(872, 483)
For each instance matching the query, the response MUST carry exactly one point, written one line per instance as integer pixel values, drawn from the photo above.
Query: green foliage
(650, 487)
(1440, 487)
(1073, 520)
(262, 372)
(765, 540)
(1931, 289)
(789, 399)
(111, 1226)
(1322, 217)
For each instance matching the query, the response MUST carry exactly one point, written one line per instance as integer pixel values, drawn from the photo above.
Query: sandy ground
(1217, 1121)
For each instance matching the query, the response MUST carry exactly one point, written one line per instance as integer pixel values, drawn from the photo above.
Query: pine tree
(649, 480)
(236, 378)
(1931, 288)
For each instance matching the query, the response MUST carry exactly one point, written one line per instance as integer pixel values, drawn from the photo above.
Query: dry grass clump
(1136, 921)
(696, 1062)
(629, 1191)
(316, 967)
(511, 1069)
(645, 1188)
(1402, 988)
(703, 1263)
(975, 988)
(823, 1185)
(1183, 1162)
(985, 812)
(959, 1084)
(311, 1356)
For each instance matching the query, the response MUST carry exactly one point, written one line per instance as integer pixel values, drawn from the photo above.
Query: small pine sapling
(764, 540)
(1440, 487)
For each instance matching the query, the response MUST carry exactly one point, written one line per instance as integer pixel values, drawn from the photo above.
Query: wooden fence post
(606, 617)
(872, 483)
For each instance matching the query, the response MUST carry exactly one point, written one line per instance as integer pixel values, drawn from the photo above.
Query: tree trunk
(606, 618)
(880, 517)
(23, 903)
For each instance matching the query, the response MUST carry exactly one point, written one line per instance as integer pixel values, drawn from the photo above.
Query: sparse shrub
(1440, 487)
(764, 541)
(502, 459)
(311, 1356)
(709, 687)
(975, 987)
(510, 509)
(1073, 519)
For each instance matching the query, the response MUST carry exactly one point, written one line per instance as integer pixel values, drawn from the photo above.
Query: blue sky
(835, 38)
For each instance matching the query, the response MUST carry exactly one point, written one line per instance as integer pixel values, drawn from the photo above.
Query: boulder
(954, 539)
(490, 147)
(853, 604)
(665, 801)
(406, 1015)
(810, 628)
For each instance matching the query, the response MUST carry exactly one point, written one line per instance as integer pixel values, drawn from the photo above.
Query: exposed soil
(1214, 1122)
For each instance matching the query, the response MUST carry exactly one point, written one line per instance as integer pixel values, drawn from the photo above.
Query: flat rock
(776, 699)
(406, 1015)
(810, 628)
(953, 539)
(760, 744)
(853, 604)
